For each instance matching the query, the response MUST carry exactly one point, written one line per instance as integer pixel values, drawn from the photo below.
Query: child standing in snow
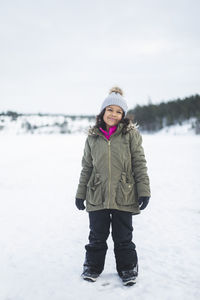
(115, 185)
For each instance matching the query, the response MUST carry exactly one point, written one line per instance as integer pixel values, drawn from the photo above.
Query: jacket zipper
(109, 171)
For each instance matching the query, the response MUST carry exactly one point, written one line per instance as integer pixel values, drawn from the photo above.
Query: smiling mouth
(111, 119)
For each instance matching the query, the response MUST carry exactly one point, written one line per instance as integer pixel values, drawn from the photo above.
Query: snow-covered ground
(42, 234)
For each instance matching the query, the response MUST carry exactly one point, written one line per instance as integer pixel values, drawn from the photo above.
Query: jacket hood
(121, 127)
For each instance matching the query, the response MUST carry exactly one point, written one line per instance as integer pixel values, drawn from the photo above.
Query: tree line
(153, 117)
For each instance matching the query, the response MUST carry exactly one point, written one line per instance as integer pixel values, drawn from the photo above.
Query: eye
(119, 112)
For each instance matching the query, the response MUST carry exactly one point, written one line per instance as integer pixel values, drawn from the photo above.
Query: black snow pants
(124, 248)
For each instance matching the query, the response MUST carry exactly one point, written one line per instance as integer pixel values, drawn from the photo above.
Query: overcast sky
(64, 56)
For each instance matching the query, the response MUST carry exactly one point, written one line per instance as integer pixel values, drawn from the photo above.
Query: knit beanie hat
(115, 97)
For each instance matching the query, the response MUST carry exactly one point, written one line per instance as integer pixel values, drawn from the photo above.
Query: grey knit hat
(115, 97)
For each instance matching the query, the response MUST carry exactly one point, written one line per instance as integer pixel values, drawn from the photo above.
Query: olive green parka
(114, 172)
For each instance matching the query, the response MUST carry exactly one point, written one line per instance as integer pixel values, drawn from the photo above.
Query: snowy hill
(61, 124)
(44, 124)
(186, 128)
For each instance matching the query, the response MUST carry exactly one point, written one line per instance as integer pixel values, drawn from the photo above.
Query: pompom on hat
(115, 97)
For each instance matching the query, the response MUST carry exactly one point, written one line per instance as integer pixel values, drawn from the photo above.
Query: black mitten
(79, 204)
(143, 202)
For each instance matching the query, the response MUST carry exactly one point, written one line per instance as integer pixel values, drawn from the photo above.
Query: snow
(187, 127)
(42, 124)
(43, 234)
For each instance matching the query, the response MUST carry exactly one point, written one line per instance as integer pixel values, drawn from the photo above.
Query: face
(113, 115)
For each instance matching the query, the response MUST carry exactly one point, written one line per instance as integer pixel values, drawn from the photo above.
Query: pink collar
(111, 131)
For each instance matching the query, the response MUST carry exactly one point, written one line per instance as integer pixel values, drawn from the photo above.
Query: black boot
(129, 276)
(89, 274)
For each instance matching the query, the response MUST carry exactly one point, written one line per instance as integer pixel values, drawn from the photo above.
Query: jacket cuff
(81, 195)
(143, 190)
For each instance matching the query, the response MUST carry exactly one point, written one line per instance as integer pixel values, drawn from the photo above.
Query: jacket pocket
(125, 191)
(94, 191)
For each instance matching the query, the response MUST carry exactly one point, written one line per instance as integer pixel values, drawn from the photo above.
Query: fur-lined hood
(125, 128)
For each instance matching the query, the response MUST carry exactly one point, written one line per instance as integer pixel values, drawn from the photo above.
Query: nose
(113, 113)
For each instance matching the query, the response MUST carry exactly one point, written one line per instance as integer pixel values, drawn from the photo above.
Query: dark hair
(100, 122)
